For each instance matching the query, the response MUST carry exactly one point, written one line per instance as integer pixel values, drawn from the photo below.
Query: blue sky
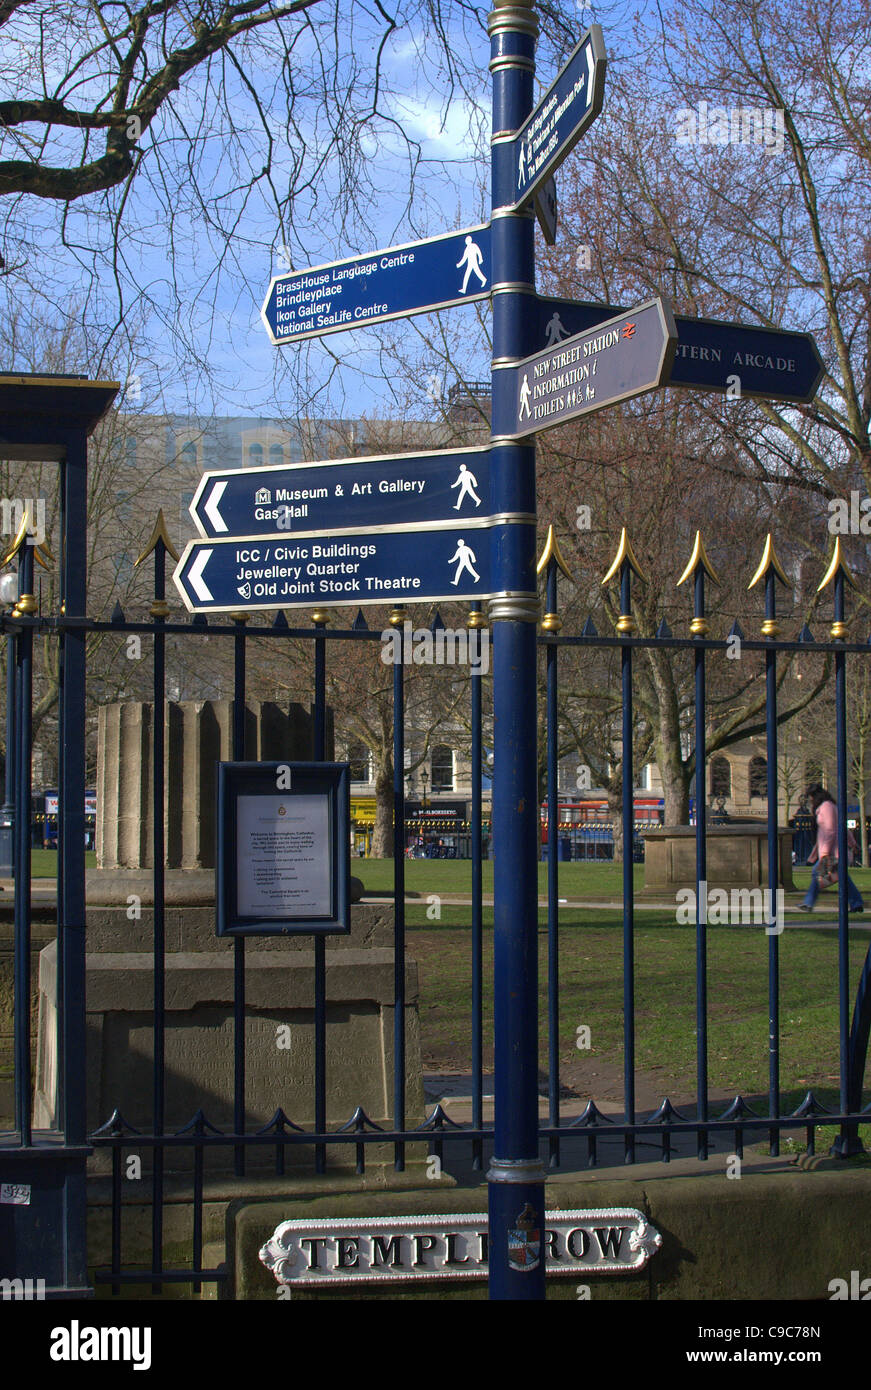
(215, 294)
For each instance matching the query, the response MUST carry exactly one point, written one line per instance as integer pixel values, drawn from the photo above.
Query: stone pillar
(199, 733)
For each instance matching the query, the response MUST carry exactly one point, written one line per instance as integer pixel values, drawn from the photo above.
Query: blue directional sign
(771, 364)
(614, 361)
(565, 111)
(413, 490)
(391, 284)
(354, 568)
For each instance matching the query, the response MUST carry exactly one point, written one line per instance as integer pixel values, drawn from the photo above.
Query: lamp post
(8, 597)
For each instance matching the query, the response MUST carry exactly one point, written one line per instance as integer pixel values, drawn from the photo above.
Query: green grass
(454, 876)
(602, 880)
(591, 963)
(43, 862)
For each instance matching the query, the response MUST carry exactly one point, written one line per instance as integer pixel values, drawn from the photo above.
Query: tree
(156, 156)
(757, 215)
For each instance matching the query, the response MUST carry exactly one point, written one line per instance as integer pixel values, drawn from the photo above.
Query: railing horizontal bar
(709, 644)
(161, 1276)
(349, 1137)
(567, 1129)
(59, 624)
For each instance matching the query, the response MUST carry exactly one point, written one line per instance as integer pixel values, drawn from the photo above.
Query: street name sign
(353, 568)
(413, 490)
(772, 364)
(392, 1250)
(626, 356)
(395, 283)
(568, 107)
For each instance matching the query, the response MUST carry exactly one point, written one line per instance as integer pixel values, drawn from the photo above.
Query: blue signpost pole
(516, 1174)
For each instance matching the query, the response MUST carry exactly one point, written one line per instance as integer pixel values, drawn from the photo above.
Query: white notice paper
(283, 856)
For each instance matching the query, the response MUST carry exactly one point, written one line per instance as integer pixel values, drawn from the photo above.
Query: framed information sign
(283, 861)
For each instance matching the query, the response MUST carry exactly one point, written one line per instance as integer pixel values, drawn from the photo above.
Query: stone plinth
(279, 993)
(737, 857)
(197, 735)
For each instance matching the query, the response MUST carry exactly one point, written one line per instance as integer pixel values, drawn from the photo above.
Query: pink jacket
(827, 832)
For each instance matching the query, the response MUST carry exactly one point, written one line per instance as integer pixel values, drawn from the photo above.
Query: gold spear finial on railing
(625, 557)
(18, 541)
(698, 557)
(159, 533)
(551, 622)
(698, 561)
(769, 564)
(837, 565)
(552, 552)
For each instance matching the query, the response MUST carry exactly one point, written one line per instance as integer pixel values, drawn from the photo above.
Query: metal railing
(574, 1133)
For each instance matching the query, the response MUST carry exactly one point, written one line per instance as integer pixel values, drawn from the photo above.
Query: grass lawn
(591, 990)
(591, 993)
(576, 880)
(43, 862)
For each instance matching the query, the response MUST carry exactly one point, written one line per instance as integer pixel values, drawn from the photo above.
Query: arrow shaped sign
(390, 284)
(353, 568)
(410, 490)
(195, 576)
(615, 361)
(211, 506)
(771, 364)
(568, 107)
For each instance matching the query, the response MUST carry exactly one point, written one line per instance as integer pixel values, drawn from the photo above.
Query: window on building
(130, 450)
(758, 778)
(721, 777)
(255, 455)
(442, 768)
(189, 454)
(276, 454)
(360, 758)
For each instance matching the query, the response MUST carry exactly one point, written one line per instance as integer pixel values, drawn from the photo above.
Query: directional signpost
(772, 364)
(390, 284)
(356, 568)
(348, 532)
(565, 111)
(619, 359)
(410, 490)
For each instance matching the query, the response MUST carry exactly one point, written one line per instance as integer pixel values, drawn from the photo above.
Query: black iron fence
(572, 1131)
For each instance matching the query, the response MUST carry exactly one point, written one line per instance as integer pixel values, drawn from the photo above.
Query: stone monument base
(737, 857)
(199, 1029)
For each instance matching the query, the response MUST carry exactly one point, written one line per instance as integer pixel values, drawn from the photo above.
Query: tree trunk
(863, 827)
(382, 836)
(675, 785)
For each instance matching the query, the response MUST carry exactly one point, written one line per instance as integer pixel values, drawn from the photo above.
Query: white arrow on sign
(211, 507)
(195, 576)
(590, 70)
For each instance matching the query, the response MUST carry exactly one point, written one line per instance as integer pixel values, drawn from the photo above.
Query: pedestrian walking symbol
(466, 482)
(471, 259)
(555, 331)
(525, 393)
(466, 557)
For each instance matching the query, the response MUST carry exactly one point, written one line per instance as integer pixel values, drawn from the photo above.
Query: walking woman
(824, 855)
